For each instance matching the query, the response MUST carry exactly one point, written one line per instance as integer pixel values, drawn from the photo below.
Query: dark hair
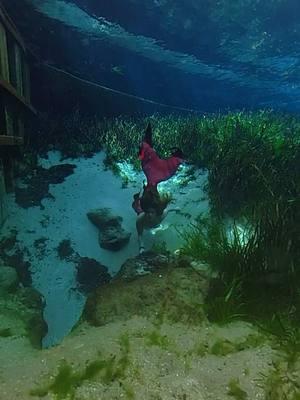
(152, 201)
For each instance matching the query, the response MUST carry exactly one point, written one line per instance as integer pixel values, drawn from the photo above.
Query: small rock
(111, 234)
(143, 264)
(113, 238)
(102, 218)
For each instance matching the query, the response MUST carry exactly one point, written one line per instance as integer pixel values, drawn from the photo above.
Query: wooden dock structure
(15, 103)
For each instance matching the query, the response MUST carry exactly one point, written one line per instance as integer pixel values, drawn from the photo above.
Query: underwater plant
(253, 263)
(155, 338)
(231, 254)
(222, 347)
(236, 391)
(106, 370)
(224, 302)
(285, 332)
(281, 382)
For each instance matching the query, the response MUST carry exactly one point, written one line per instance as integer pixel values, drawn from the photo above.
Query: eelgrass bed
(253, 177)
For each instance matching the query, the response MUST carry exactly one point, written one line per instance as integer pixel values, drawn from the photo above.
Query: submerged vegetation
(251, 238)
(236, 391)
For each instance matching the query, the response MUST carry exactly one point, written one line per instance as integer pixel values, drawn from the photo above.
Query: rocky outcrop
(145, 264)
(156, 286)
(21, 309)
(111, 234)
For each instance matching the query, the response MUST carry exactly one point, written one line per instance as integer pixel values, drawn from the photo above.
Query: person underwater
(151, 207)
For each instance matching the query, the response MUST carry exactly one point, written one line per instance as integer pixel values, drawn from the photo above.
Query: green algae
(222, 347)
(6, 332)
(106, 370)
(155, 338)
(234, 390)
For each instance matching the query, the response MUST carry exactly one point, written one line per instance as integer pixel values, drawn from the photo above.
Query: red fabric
(155, 168)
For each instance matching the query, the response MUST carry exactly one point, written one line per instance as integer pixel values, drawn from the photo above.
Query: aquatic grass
(200, 137)
(225, 306)
(286, 336)
(232, 255)
(253, 169)
(246, 258)
(281, 382)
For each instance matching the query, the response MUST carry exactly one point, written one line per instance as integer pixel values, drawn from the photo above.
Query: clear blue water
(201, 54)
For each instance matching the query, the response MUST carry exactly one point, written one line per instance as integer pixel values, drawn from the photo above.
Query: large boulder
(112, 236)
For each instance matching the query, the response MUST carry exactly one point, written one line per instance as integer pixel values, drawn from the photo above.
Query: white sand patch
(64, 217)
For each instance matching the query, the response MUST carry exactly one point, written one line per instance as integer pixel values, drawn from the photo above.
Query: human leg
(140, 228)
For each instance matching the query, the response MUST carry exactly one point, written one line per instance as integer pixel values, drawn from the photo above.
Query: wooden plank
(9, 88)
(3, 54)
(19, 75)
(11, 140)
(10, 26)
(27, 87)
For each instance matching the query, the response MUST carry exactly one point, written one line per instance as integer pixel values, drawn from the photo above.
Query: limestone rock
(111, 234)
(164, 292)
(113, 239)
(144, 264)
(102, 218)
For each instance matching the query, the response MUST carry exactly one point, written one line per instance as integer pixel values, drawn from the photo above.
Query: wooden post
(4, 71)
(19, 75)
(27, 93)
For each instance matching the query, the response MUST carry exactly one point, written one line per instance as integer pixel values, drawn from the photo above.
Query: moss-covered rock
(22, 315)
(171, 293)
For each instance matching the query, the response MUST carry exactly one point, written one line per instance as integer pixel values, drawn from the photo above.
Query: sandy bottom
(163, 362)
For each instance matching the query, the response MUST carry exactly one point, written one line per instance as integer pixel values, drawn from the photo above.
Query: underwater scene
(149, 200)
